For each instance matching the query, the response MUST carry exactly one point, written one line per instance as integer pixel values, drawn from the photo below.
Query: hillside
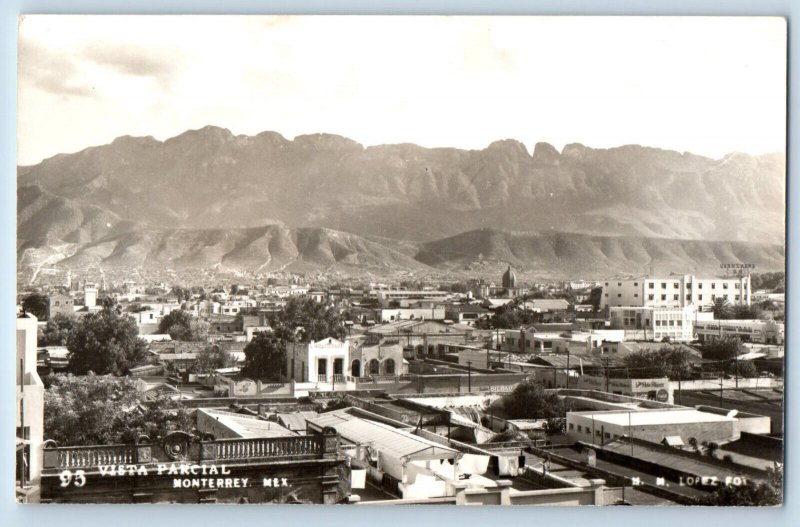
(562, 255)
(210, 178)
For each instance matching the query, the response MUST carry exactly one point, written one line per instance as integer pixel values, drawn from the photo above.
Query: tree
(743, 312)
(742, 368)
(177, 323)
(721, 349)
(529, 401)
(305, 320)
(212, 358)
(673, 362)
(105, 342)
(56, 331)
(721, 309)
(750, 493)
(37, 305)
(265, 357)
(181, 293)
(181, 325)
(595, 296)
(102, 410)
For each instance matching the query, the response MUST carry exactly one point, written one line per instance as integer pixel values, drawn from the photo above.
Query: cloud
(51, 72)
(136, 61)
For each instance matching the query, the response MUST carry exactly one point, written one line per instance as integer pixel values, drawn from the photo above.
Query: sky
(709, 86)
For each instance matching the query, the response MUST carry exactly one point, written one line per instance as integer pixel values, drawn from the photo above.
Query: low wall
(713, 384)
(504, 495)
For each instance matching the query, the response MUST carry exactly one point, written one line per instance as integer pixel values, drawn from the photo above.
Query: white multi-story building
(657, 322)
(758, 331)
(675, 291)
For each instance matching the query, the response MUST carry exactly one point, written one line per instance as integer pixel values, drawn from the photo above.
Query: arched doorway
(374, 367)
(355, 369)
(388, 366)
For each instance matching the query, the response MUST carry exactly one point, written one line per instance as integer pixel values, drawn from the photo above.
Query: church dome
(509, 279)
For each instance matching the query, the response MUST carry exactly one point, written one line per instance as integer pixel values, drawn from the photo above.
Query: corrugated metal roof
(384, 438)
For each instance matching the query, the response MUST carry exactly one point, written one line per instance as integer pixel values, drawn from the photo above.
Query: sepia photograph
(401, 260)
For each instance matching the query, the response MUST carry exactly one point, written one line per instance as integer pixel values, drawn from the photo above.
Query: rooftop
(248, 426)
(668, 416)
(382, 437)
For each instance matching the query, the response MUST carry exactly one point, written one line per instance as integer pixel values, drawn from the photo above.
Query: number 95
(78, 478)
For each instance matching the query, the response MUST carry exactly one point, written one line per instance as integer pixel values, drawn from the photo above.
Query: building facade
(675, 291)
(324, 361)
(757, 331)
(657, 322)
(29, 412)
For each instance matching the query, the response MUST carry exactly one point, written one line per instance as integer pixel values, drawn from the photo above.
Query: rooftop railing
(188, 450)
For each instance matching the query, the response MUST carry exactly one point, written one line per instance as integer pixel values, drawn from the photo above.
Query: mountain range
(208, 198)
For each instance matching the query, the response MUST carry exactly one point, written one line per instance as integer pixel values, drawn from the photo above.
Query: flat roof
(248, 426)
(384, 438)
(655, 417)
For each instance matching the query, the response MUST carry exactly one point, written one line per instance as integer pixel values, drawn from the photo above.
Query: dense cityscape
(642, 390)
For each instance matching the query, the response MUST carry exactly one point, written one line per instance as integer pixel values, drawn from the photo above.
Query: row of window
(588, 431)
(669, 322)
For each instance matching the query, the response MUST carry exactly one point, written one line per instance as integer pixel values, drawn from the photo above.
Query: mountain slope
(210, 178)
(561, 255)
(258, 249)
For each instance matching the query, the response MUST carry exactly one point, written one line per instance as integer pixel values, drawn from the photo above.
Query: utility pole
(567, 368)
(606, 374)
(630, 432)
(469, 376)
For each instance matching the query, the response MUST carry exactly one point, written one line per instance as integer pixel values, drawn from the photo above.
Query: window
(588, 432)
(674, 297)
(619, 284)
(635, 295)
(658, 322)
(663, 285)
(736, 286)
(699, 297)
(663, 297)
(636, 284)
(725, 296)
(606, 295)
(713, 285)
(580, 428)
(619, 295)
(598, 433)
(650, 297)
(688, 297)
(651, 284)
(606, 284)
(608, 435)
(572, 426)
(725, 285)
(389, 366)
(672, 323)
(713, 297)
(680, 323)
(737, 297)
(676, 285)
(689, 285)
(699, 286)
